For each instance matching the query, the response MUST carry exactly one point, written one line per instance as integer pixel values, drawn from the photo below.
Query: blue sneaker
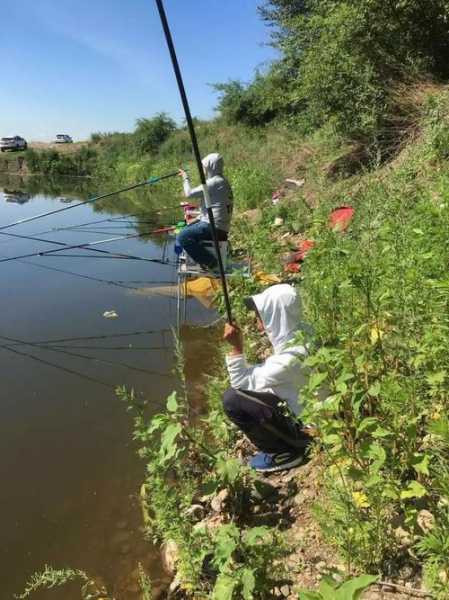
(270, 463)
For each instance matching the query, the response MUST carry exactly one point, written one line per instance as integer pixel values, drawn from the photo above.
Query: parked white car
(63, 138)
(13, 143)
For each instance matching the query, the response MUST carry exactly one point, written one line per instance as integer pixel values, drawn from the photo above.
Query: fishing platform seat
(188, 266)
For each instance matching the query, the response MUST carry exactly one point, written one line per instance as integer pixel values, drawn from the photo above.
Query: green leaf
(157, 422)
(414, 490)
(168, 441)
(377, 454)
(228, 469)
(327, 591)
(316, 379)
(374, 390)
(440, 427)
(248, 584)
(172, 403)
(306, 595)
(436, 378)
(224, 587)
(254, 535)
(352, 590)
(369, 423)
(226, 541)
(420, 463)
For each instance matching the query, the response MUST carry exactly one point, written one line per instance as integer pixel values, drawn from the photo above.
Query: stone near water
(170, 556)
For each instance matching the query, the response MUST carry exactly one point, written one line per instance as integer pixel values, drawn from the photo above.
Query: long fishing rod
(149, 181)
(87, 246)
(66, 246)
(104, 230)
(196, 150)
(110, 220)
(121, 284)
(67, 228)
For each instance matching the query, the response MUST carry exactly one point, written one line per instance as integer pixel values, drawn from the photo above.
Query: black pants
(265, 420)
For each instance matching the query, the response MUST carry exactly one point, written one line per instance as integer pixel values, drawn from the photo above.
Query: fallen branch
(405, 590)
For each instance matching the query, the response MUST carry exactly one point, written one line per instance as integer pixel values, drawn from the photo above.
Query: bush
(83, 162)
(151, 133)
(340, 58)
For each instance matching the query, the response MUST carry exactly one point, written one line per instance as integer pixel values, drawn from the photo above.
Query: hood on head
(213, 164)
(280, 310)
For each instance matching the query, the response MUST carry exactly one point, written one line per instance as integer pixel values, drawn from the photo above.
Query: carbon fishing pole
(86, 246)
(67, 228)
(149, 181)
(121, 284)
(199, 164)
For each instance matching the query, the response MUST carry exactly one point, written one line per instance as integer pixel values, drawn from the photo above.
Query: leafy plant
(51, 578)
(349, 590)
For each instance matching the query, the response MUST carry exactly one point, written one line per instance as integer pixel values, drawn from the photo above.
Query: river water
(68, 467)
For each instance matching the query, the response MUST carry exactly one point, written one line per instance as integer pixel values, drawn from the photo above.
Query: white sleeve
(274, 371)
(190, 192)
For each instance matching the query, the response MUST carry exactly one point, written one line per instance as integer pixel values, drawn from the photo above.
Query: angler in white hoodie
(263, 400)
(221, 199)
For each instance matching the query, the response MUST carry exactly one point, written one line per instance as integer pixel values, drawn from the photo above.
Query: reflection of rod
(150, 181)
(196, 150)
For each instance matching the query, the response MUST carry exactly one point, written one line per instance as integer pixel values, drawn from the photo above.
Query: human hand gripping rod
(196, 150)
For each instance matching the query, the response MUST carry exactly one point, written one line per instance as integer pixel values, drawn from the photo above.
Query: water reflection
(16, 196)
(69, 468)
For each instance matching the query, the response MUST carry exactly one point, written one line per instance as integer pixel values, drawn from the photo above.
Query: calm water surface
(69, 474)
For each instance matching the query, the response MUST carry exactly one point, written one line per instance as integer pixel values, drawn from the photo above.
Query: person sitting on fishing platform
(191, 238)
(263, 401)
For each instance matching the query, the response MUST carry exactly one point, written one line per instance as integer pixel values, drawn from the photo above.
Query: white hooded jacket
(281, 374)
(220, 192)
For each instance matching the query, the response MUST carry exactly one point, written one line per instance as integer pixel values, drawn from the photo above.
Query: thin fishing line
(104, 337)
(83, 356)
(102, 231)
(143, 348)
(150, 181)
(59, 367)
(96, 257)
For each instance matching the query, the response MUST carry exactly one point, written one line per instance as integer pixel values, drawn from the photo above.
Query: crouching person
(263, 400)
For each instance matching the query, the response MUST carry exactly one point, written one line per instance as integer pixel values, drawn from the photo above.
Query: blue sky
(78, 66)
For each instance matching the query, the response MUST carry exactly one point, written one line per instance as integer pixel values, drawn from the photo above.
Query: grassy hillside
(377, 296)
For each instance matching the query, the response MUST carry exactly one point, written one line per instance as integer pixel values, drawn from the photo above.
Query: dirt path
(62, 148)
